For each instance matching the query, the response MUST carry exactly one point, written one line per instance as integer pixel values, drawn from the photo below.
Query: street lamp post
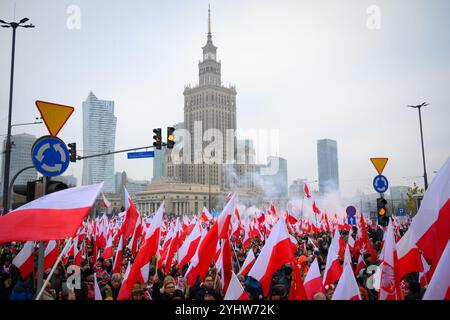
(424, 104)
(14, 26)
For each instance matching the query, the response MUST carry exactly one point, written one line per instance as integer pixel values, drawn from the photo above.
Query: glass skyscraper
(99, 136)
(328, 166)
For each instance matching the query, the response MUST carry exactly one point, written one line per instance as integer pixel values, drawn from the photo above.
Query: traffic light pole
(10, 190)
(41, 246)
(114, 152)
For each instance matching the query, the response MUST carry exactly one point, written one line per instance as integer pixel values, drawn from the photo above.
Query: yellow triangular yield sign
(379, 163)
(54, 115)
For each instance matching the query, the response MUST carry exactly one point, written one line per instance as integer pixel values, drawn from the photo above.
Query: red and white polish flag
(205, 254)
(347, 287)
(24, 260)
(361, 264)
(248, 263)
(429, 230)
(97, 292)
(119, 254)
(235, 290)
(140, 268)
(54, 216)
(224, 218)
(51, 254)
(125, 289)
(206, 216)
(313, 281)
(131, 217)
(439, 287)
(390, 282)
(276, 252)
(108, 253)
(106, 203)
(333, 268)
(190, 245)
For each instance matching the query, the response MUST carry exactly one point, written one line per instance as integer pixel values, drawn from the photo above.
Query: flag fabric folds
(54, 216)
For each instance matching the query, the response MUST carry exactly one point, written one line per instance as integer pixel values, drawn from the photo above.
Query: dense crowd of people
(171, 285)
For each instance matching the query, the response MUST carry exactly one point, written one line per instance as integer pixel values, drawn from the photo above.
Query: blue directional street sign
(351, 220)
(380, 184)
(142, 154)
(401, 212)
(50, 156)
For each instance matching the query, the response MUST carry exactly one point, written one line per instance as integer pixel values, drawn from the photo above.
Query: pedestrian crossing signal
(157, 138)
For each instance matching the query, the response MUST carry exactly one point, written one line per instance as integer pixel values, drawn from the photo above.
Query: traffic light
(28, 190)
(54, 186)
(157, 137)
(72, 151)
(382, 212)
(170, 137)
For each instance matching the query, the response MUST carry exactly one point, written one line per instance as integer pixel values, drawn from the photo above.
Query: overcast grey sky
(312, 69)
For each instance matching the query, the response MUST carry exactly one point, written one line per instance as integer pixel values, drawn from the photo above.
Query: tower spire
(209, 22)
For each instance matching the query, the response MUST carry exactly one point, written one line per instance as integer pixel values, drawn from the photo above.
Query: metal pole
(68, 241)
(114, 152)
(8, 136)
(12, 184)
(209, 192)
(41, 246)
(423, 152)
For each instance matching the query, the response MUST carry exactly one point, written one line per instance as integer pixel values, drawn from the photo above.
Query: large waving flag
(430, 228)
(276, 252)
(54, 216)
(347, 287)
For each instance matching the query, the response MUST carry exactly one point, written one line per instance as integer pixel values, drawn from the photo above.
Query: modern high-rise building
(99, 136)
(328, 166)
(20, 158)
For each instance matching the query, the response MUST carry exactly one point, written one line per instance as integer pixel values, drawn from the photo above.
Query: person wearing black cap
(210, 294)
(277, 292)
